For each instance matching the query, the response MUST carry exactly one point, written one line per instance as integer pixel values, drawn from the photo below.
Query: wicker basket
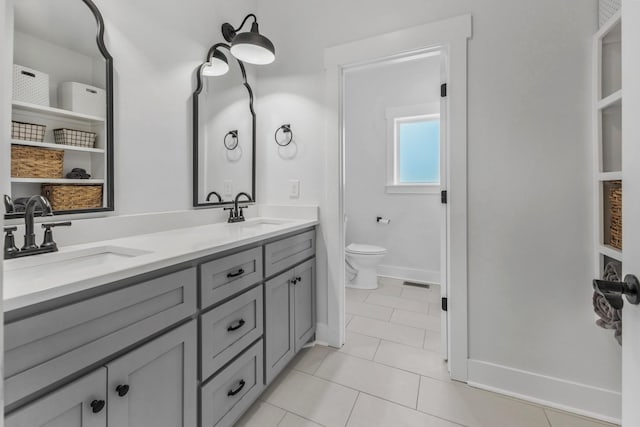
(27, 131)
(66, 197)
(615, 209)
(74, 137)
(32, 162)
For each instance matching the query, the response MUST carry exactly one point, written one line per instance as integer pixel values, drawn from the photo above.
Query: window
(413, 150)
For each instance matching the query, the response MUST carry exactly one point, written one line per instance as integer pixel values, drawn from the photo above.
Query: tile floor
(389, 374)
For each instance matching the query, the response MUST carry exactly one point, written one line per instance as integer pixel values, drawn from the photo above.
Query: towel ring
(285, 129)
(234, 143)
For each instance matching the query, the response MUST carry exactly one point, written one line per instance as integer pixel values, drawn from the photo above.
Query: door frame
(449, 35)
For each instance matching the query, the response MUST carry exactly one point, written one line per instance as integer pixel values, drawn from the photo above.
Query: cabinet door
(279, 347)
(79, 404)
(155, 385)
(304, 293)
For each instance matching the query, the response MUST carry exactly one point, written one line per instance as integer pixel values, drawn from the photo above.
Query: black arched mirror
(224, 131)
(62, 108)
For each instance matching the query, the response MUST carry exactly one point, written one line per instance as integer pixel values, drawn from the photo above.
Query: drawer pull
(97, 406)
(237, 390)
(122, 390)
(298, 279)
(236, 274)
(234, 327)
(293, 281)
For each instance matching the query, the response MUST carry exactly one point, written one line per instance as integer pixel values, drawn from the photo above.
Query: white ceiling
(67, 23)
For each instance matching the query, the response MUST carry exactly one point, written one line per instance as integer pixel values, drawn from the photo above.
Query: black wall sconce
(250, 46)
(286, 129)
(232, 143)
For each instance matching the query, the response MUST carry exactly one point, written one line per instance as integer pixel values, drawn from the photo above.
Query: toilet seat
(359, 249)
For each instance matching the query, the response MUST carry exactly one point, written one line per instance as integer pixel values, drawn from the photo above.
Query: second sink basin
(262, 225)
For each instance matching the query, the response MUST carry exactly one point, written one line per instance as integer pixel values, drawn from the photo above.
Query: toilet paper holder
(381, 220)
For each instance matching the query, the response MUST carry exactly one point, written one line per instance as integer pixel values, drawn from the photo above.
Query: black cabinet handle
(239, 324)
(122, 390)
(298, 279)
(293, 281)
(97, 406)
(237, 273)
(237, 390)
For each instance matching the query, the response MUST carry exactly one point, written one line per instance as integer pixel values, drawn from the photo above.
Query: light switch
(294, 189)
(228, 188)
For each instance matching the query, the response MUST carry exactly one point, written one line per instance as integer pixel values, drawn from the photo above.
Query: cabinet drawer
(284, 253)
(46, 348)
(224, 277)
(230, 328)
(225, 398)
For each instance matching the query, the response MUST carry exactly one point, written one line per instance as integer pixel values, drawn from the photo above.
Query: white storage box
(82, 98)
(30, 85)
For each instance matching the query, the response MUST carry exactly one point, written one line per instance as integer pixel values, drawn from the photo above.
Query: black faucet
(29, 213)
(235, 212)
(213, 193)
(30, 247)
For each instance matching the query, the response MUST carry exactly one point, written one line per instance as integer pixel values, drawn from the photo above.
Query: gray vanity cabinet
(69, 406)
(155, 385)
(289, 314)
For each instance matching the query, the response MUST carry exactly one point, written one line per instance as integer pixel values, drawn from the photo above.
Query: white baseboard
(409, 274)
(582, 399)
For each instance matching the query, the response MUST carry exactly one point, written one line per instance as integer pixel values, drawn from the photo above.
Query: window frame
(408, 114)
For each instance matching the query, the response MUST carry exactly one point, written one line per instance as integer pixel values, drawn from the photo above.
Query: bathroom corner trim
(565, 395)
(451, 36)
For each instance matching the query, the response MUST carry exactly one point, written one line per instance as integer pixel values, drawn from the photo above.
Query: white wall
(413, 236)
(529, 200)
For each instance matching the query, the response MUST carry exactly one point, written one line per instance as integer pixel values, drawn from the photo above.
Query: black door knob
(613, 291)
(122, 390)
(97, 406)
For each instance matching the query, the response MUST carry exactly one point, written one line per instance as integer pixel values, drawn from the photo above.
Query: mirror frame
(196, 123)
(109, 179)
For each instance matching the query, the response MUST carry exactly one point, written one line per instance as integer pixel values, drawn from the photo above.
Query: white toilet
(362, 261)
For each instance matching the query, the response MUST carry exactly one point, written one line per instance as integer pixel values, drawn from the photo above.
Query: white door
(631, 207)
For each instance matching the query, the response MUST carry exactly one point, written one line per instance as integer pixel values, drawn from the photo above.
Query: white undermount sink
(262, 224)
(80, 258)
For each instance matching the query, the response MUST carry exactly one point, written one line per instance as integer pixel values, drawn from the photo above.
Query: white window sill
(412, 189)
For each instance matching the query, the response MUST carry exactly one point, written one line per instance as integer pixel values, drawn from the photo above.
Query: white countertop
(39, 278)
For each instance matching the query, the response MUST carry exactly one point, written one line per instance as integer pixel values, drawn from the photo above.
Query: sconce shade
(217, 66)
(252, 47)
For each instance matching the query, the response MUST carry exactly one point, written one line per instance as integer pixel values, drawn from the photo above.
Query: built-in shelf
(55, 112)
(611, 252)
(55, 181)
(607, 140)
(56, 146)
(609, 176)
(615, 99)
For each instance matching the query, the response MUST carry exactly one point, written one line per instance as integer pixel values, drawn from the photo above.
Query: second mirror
(224, 130)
